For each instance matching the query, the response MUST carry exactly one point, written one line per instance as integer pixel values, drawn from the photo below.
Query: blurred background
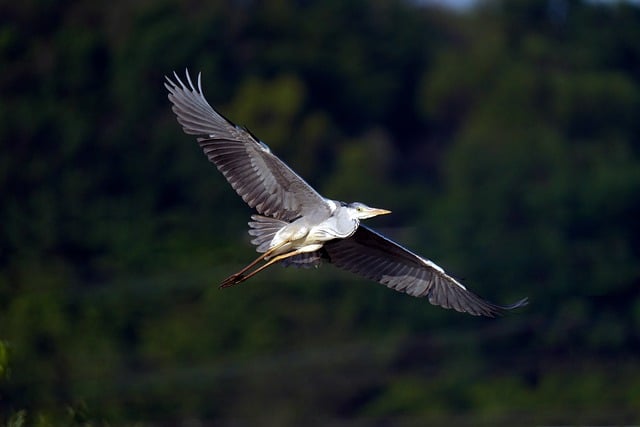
(505, 137)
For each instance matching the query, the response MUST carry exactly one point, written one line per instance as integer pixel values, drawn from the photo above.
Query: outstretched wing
(375, 257)
(263, 181)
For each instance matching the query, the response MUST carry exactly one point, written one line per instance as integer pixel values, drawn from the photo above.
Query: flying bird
(297, 226)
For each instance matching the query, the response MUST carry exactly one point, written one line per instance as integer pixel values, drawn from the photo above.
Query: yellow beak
(376, 212)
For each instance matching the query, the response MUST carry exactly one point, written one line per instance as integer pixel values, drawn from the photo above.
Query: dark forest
(505, 139)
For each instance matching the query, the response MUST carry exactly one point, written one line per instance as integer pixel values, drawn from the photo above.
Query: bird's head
(362, 211)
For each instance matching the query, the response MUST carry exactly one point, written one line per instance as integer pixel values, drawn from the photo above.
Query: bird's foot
(232, 280)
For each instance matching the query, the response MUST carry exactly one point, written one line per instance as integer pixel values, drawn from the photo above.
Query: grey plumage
(262, 180)
(375, 257)
(297, 226)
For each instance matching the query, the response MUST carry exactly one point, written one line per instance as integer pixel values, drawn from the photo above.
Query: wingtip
(523, 302)
(518, 304)
(169, 82)
(177, 82)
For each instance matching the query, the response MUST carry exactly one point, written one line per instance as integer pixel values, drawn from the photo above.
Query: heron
(295, 225)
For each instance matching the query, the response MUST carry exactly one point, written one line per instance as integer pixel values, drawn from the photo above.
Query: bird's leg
(239, 277)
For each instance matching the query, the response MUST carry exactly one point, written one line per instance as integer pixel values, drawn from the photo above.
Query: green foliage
(4, 359)
(17, 419)
(505, 140)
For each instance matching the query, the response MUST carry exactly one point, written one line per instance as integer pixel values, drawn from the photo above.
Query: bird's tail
(263, 229)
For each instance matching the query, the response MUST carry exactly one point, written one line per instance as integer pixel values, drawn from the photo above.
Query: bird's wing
(375, 257)
(263, 181)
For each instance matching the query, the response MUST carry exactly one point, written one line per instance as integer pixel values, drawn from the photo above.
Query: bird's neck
(346, 221)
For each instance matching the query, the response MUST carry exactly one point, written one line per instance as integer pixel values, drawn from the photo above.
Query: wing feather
(375, 257)
(263, 181)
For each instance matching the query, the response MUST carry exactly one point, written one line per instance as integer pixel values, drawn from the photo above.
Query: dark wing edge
(263, 181)
(378, 258)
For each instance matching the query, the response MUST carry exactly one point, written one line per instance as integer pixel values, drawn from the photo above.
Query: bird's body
(309, 234)
(297, 226)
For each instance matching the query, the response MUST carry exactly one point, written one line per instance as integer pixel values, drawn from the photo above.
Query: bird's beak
(376, 212)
